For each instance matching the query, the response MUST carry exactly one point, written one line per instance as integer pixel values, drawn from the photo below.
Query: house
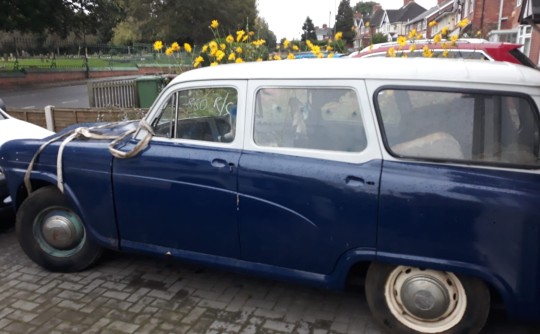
(324, 33)
(443, 13)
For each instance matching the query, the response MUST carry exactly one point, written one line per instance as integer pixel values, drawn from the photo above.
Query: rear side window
(311, 118)
(485, 128)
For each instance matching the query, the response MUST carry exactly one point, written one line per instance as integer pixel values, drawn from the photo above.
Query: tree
(308, 30)
(34, 16)
(264, 32)
(345, 21)
(366, 8)
(379, 37)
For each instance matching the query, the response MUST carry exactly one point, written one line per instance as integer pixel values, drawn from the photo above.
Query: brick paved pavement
(138, 294)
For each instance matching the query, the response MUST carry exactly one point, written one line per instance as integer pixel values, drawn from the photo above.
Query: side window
(483, 128)
(310, 118)
(207, 114)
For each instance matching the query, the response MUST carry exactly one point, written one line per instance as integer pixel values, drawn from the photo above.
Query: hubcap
(60, 232)
(425, 300)
(425, 297)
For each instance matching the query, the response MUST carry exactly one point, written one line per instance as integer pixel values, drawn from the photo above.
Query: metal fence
(116, 94)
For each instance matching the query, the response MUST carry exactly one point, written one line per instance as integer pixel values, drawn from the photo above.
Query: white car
(12, 128)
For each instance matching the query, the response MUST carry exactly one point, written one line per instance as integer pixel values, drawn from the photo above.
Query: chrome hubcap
(60, 232)
(425, 297)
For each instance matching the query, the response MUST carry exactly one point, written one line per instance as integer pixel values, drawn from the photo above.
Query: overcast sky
(286, 17)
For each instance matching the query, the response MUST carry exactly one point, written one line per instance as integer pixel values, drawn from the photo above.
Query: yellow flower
(412, 34)
(463, 23)
(169, 51)
(290, 56)
(391, 52)
(404, 55)
(187, 47)
(331, 55)
(259, 59)
(245, 38)
(276, 57)
(353, 28)
(419, 36)
(214, 63)
(213, 45)
(223, 46)
(445, 53)
(478, 33)
(367, 24)
(295, 47)
(215, 24)
(239, 35)
(219, 55)
(239, 60)
(444, 31)
(175, 47)
(320, 55)
(338, 36)
(437, 38)
(454, 39)
(432, 24)
(371, 46)
(445, 45)
(426, 52)
(229, 39)
(412, 47)
(205, 48)
(238, 50)
(198, 61)
(402, 40)
(329, 48)
(286, 43)
(158, 45)
(232, 56)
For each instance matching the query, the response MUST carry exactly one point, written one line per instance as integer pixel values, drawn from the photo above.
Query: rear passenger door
(308, 175)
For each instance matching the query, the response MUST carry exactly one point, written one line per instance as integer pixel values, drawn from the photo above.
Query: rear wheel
(52, 234)
(411, 300)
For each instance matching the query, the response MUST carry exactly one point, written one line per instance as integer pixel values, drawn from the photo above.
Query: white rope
(89, 133)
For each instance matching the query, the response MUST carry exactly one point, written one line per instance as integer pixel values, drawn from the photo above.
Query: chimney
(376, 7)
(406, 2)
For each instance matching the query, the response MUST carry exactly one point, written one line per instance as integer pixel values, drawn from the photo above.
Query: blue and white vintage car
(421, 174)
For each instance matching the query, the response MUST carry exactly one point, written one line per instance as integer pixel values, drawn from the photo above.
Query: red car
(464, 48)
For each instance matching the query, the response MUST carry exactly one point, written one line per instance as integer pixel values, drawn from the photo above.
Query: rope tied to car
(91, 133)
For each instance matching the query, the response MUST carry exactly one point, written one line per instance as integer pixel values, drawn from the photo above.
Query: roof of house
(432, 11)
(405, 13)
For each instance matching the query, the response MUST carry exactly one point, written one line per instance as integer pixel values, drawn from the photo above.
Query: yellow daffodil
(251, 33)
(286, 43)
(412, 34)
(220, 55)
(437, 38)
(276, 57)
(214, 24)
(239, 35)
(222, 46)
(158, 45)
(204, 48)
(391, 52)
(187, 47)
(463, 23)
(229, 39)
(432, 24)
(366, 25)
(454, 39)
(419, 36)
(329, 48)
(214, 64)
(479, 33)
(295, 47)
(338, 36)
(238, 50)
(259, 59)
(412, 47)
(320, 55)
(239, 60)
(444, 31)
(331, 55)
(175, 47)
(445, 53)
(426, 52)
(169, 51)
(198, 61)
(245, 38)
(290, 56)
(232, 56)
(402, 40)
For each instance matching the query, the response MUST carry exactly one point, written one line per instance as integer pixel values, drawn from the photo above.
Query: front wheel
(52, 234)
(408, 300)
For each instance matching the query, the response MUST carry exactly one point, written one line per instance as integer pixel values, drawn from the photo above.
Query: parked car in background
(12, 128)
(420, 174)
(463, 48)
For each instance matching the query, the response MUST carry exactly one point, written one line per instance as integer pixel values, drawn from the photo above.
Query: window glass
(312, 118)
(488, 128)
(207, 114)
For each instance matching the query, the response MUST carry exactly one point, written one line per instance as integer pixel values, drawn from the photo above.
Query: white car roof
(12, 128)
(421, 69)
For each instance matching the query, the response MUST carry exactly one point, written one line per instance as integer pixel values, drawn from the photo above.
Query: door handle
(354, 181)
(220, 163)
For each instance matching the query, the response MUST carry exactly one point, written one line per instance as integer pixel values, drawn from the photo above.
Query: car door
(309, 174)
(180, 192)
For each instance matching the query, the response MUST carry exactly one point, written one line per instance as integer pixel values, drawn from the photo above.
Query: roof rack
(425, 41)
